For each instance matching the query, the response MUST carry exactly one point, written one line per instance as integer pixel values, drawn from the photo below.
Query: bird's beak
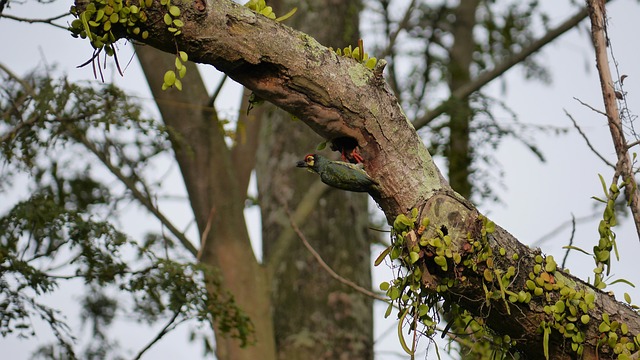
(301, 164)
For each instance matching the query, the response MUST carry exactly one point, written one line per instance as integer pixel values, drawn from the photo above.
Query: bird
(339, 174)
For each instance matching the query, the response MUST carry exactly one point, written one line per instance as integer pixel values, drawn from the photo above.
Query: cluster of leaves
(174, 24)
(568, 312)
(261, 7)
(358, 54)
(170, 77)
(426, 253)
(421, 251)
(406, 291)
(607, 241)
(62, 231)
(101, 18)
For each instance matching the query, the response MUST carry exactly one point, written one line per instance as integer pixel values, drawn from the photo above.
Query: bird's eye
(309, 160)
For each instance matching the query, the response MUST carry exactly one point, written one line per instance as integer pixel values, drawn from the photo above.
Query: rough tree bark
(338, 97)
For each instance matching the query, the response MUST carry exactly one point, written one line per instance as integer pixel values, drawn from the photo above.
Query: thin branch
(27, 87)
(551, 234)
(590, 107)
(573, 233)
(205, 233)
(586, 139)
(392, 36)
(306, 205)
(216, 92)
(488, 76)
(16, 129)
(146, 202)
(49, 21)
(167, 328)
(327, 268)
(629, 146)
(402, 25)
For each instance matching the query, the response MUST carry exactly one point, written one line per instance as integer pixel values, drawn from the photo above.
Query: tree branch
(586, 140)
(300, 216)
(488, 76)
(166, 329)
(49, 21)
(597, 13)
(131, 186)
(328, 269)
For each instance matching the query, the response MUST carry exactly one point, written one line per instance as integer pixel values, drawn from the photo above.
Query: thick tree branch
(265, 56)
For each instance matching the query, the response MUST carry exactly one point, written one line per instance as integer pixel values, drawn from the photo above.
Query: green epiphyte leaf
(170, 78)
(167, 19)
(356, 54)
(371, 63)
(287, 15)
(174, 11)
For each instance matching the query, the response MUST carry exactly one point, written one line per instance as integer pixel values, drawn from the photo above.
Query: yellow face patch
(309, 160)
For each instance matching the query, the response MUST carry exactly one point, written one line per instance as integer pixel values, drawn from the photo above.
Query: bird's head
(308, 162)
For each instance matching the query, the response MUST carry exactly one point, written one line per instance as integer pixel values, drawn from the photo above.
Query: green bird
(339, 174)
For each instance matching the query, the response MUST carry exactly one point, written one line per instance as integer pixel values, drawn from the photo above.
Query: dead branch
(624, 168)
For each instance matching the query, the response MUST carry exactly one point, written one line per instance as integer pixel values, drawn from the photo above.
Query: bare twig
(27, 87)
(402, 25)
(586, 139)
(629, 146)
(392, 36)
(590, 107)
(131, 186)
(49, 21)
(624, 168)
(216, 92)
(205, 233)
(501, 68)
(327, 268)
(285, 240)
(167, 328)
(573, 233)
(562, 226)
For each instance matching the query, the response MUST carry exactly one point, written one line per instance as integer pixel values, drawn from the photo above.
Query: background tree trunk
(459, 153)
(314, 314)
(217, 196)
